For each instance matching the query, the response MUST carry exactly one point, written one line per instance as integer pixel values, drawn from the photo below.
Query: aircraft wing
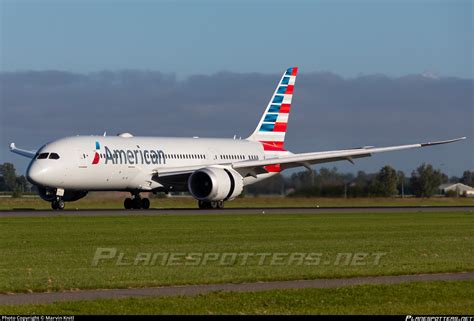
(254, 167)
(22, 152)
(307, 159)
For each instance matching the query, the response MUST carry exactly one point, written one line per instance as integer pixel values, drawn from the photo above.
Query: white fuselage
(114, 163)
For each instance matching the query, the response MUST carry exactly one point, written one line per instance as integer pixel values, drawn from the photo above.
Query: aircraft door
(82, 158)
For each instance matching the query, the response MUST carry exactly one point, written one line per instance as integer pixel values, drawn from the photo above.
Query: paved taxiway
(24, 298)
(234, 211)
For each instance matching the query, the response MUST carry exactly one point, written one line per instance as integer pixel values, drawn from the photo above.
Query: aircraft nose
(37, 173)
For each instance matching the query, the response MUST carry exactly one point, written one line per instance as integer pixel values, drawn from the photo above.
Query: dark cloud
(329, 111)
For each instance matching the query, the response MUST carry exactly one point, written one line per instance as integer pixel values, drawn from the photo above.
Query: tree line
(424, 181)
(11, 182)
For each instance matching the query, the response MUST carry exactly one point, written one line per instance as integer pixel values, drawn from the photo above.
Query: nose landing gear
(58, 204)
(136, 202)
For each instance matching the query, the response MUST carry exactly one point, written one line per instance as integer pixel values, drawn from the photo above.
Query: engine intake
(215, 184)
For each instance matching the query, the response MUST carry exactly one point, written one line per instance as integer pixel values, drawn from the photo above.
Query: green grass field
(55, 253)
(115, 201)
(407, 298)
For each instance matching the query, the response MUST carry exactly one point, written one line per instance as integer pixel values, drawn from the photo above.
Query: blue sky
(345, 37)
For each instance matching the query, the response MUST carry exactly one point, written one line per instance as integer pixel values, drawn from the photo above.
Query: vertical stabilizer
(272, 126)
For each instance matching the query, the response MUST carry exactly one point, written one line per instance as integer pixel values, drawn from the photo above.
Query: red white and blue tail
(272, 126)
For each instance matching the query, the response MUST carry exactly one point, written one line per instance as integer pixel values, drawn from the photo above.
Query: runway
(32, 298)
(21, 212)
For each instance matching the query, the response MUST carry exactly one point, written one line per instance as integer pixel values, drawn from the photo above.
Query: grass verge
(115, 201)
(56, 253)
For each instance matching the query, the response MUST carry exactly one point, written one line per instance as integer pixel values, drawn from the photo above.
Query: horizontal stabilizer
(22, 152)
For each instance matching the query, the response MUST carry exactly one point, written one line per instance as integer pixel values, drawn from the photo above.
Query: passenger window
(43, 155)
(53, 156)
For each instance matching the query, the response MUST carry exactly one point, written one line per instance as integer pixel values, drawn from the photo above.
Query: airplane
(212, 170)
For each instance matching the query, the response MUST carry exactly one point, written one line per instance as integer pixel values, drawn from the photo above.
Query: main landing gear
(211, 204)
(136, 202)
(58, 204)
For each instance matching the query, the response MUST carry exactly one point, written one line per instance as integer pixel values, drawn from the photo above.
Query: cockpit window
(53, 156)
(43, 155)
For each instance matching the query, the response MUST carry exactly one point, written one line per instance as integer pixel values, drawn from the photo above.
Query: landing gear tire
(61, 205)
(211, 205)
(127, 203)
(145, 203)
(136, 203)
(204, 205)
(58, 204)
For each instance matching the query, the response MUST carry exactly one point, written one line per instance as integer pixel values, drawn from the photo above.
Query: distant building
(458, 188)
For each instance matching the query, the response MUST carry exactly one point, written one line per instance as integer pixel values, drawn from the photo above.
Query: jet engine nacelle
(49, 195)
(215, 184)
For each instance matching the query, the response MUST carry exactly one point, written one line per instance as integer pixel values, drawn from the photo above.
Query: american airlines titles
(135, 156)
